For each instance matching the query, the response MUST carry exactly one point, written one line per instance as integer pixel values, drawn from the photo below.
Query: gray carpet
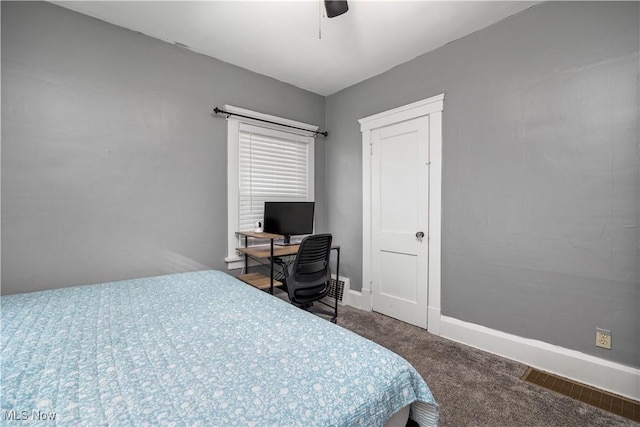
(472, 387)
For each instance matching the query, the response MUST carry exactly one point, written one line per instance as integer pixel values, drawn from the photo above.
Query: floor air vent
(599, 398)
(338, 288)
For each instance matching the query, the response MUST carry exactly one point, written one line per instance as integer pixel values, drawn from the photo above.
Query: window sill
(234, 262)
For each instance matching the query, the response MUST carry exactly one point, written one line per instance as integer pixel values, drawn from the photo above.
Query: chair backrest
(313, 256)
(309, 279)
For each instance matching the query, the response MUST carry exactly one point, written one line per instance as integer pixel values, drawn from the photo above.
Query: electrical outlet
(603, 338)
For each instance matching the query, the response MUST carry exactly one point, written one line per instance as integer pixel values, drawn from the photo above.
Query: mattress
(199, 348)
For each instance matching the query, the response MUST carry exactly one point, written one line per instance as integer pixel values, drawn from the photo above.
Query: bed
(198, 348)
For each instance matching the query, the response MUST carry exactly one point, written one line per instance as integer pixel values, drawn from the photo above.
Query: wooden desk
(268, 251)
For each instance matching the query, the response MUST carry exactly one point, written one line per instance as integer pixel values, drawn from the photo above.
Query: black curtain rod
(221, 111)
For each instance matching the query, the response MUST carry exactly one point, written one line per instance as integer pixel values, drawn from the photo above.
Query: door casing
(432, 107)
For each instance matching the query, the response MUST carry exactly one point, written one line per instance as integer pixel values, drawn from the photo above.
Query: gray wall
(541, 183)
(112, 164)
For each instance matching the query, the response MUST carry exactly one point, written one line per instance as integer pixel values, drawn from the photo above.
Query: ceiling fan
(335, 7)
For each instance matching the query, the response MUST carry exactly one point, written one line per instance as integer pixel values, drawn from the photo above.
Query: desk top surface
(264, 251)
(259, 235)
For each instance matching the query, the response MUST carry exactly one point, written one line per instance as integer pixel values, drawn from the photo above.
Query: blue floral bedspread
(193, 349)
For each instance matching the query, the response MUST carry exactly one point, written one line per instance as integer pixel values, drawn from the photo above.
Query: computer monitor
(288, 219)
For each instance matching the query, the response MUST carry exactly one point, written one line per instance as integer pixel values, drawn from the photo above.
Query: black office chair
(309, 279)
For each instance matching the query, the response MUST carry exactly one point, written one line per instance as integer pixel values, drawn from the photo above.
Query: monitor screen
(288, 218)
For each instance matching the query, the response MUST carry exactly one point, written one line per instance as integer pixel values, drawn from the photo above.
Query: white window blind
(273, 166)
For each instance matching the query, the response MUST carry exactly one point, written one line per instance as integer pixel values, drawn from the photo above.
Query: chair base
(317, 310)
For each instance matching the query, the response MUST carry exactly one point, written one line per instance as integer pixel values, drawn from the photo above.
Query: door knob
(420, 234)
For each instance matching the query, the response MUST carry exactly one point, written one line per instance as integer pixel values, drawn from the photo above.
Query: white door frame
(432, 107)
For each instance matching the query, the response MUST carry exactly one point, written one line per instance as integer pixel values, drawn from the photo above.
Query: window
(265, 163)
(274, 166)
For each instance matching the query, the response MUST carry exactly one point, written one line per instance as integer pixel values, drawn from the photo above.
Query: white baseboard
(360, 300)
(594, 371)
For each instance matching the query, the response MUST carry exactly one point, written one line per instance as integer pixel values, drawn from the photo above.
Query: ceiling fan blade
(335, 7)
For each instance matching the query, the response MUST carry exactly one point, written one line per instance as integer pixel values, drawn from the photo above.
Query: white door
(399, 219)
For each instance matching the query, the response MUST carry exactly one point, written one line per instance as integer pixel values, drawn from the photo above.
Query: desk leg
(271, 268)
(335, 316)
(246, 257)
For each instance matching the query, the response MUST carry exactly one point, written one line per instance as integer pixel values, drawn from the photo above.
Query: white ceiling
(280, 39)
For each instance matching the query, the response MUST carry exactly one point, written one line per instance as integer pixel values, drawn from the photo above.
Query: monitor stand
(285, 242)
